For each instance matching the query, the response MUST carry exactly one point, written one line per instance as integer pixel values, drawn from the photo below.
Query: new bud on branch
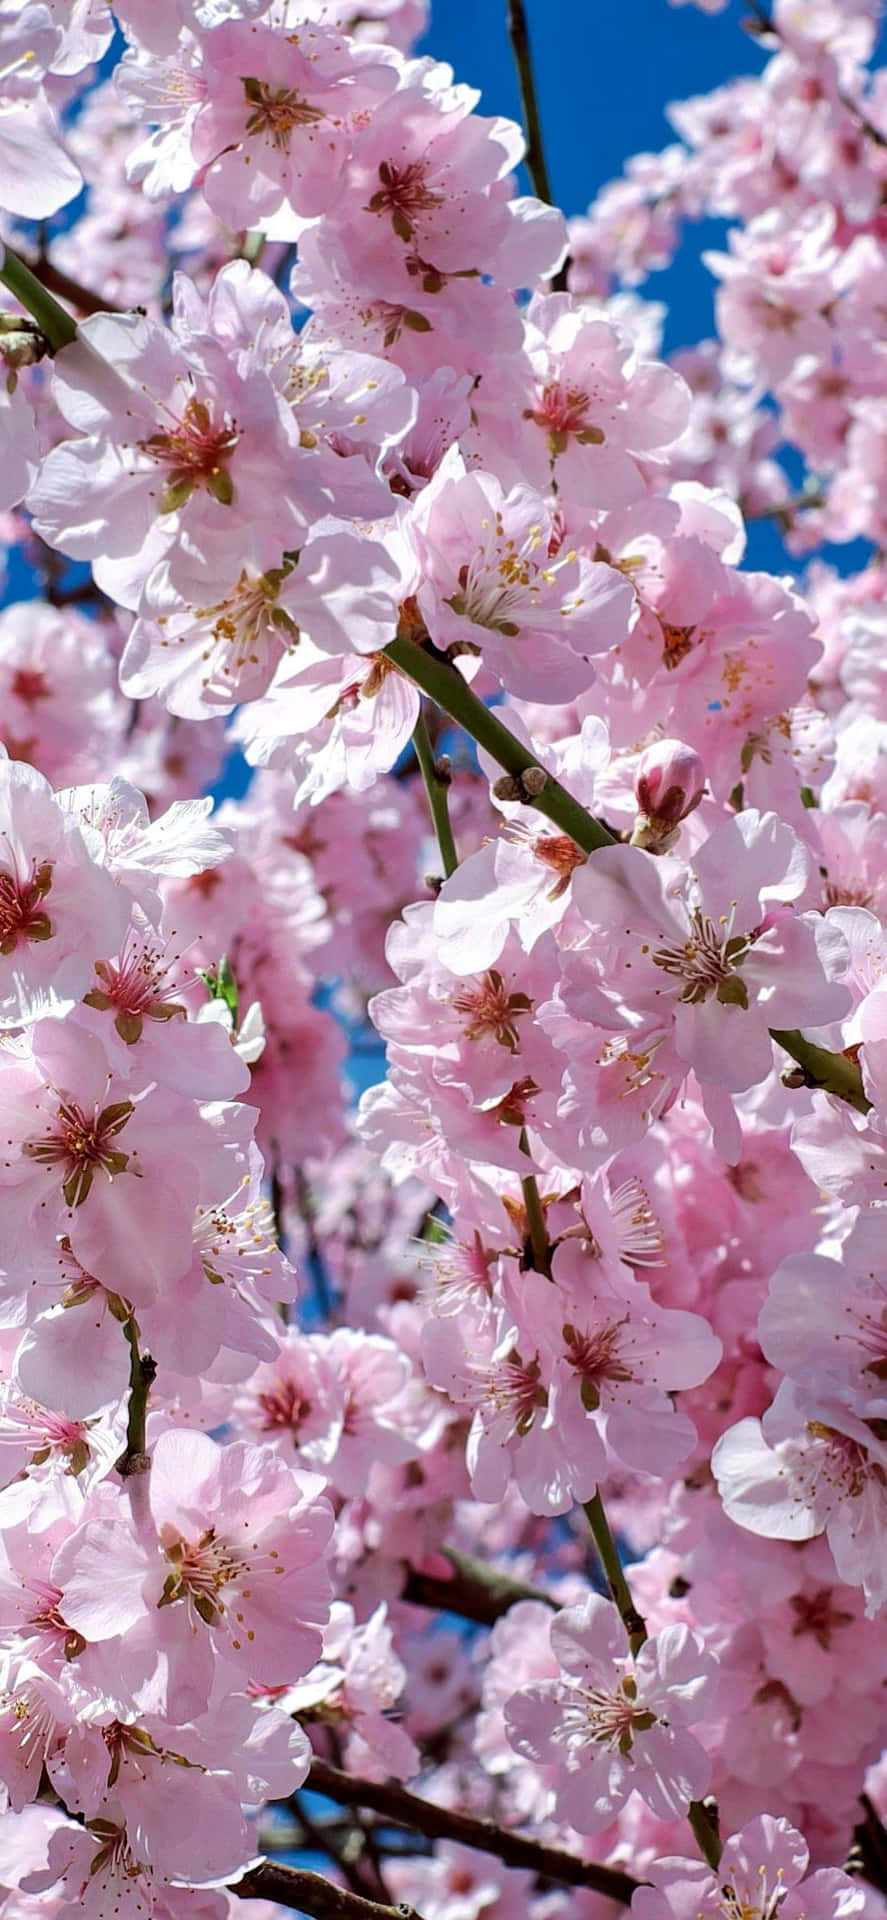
(669, 783)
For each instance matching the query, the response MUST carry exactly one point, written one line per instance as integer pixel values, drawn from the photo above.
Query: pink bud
(669, 783)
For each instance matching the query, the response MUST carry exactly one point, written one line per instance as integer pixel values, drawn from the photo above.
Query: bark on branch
(310, 1893)
(406, 1809)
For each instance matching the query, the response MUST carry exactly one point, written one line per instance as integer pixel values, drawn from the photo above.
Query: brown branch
(474, 1591)
(441, 1823)
(311, 1893)
(55, 281)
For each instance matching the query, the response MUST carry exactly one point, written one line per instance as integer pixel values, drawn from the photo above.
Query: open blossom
(37, 175)
(762, 1871)
(715, 947)
(90, 1157)
(613, 1723)
(237, 1573)
(205, 654)
(495, 583)
(179, 439)
(279, 1387)
(811, 1466)
(56, 905)
(581, 407)
(60, 705)
(280, 117)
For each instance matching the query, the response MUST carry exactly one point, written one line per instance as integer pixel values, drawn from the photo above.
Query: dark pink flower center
(22, 913)
(80, 1143)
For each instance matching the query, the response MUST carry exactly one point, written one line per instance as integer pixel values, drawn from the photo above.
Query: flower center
(841, 1461)
(134, 987)
(200, 1573)
(194, 450)
(284, 1405)
(676, 642)
(816, 1613)
(608, 1716)
(243, 624)
(596, 1357)
(403, 194)
(563, 413)
(490, 1009)
(758, 1903)
(705, 962)
(561, 854)
(512, 1387)
(22, 914)
(29, 685)
(276, 111)
(80, 1144)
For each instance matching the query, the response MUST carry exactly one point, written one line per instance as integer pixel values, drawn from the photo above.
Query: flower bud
(669, 783)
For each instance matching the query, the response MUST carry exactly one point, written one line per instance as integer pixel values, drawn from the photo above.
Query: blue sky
(605, 70)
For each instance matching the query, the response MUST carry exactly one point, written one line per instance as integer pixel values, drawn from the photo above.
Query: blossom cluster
(516, 1431)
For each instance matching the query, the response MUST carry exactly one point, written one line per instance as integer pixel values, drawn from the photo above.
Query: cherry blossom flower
(614, 1724)
(762, 1870)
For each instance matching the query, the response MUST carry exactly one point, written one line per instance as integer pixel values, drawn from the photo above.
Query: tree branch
(55, 281)
(537, 165)
(55, 324)
(443, 683)
(475, 1591)
(142, 1370)
(441, 1823)
(437, 782)
(310, 1893)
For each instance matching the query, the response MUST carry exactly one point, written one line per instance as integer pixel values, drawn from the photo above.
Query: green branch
(437, 786)
(142, 1370)
(533, 786)
(827, 1072)
(55, 324)
(702, 1814)
(634, 1623)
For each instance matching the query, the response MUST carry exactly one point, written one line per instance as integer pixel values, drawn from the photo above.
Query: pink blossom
(56, 905)
(492, 582)
(280, 118)
(613, 1723)
(813, 1467)
(738, 960)
(763, 1866)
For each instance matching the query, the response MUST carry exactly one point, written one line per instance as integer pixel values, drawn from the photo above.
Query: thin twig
(537, 165)
(142, 1370)
(608, 1553)
(310, 1893)
(436, 775)
(442, 1823)
(702, 1815)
